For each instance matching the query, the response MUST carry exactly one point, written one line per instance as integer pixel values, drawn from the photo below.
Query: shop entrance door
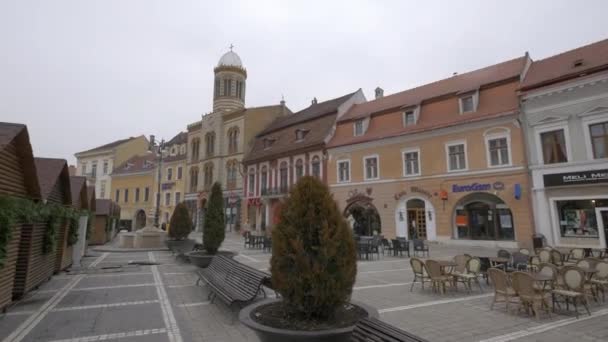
(602, 225)
(417, 223)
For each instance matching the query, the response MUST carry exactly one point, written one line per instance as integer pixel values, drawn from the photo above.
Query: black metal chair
(386, 246)
(267, 244)
(400, 246)
(421, 247)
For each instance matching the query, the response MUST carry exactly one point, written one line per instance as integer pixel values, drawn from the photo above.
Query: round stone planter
(180, 246)
(271, 334)
(203, 260)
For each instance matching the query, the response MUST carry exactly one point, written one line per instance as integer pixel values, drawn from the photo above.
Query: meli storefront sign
(576, 178)
(478, 187)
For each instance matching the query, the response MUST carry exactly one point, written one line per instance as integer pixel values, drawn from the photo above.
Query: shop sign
(576, 178)
(472, 187)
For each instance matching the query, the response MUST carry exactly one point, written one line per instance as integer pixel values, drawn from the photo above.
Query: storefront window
(577, 218)
(485, 219)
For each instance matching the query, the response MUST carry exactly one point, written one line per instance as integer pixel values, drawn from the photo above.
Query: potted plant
(180, 229)
(313, 267)
(214, 230)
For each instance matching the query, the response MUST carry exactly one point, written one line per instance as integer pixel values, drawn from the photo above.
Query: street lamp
(157, 148)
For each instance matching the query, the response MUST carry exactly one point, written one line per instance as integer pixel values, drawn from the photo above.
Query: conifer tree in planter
(179, 229)
(214, 229)
(313, 266)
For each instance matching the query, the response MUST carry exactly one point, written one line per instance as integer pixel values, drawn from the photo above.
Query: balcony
(275, 192)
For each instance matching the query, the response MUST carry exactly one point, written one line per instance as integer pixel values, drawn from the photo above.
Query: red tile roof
(561, 67)
(49, 172)
(456, 84)
(316, 120)
(136, 164)
(499, 106)
(312, 112)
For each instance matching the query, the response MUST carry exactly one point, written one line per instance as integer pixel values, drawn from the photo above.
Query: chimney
(379, 92)
(314, 101)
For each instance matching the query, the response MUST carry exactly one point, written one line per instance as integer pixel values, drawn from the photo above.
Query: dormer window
(358, 127)
(467, 104)
(300, 134)
(577, 63)
(268, 142)
(409, 118)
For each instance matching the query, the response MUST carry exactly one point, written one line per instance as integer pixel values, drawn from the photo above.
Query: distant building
(173, 176)
(98, 163)
(218, 141)
(565, 115)
(289, 148)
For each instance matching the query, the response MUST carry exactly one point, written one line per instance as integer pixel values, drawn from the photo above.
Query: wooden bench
(372, 329)
(231, 281)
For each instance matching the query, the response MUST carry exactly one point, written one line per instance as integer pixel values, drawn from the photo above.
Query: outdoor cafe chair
(576, 254)
(533, 263)
(386, 246)
(530, 299)
(600, 278)
(519, 262)
(544, 255)
(471, 274)
(551, 271)
(503, 292)
(574, 282)
(438, 278)
(400, 246)
(419, 270)
(461, 261)
(503, 253)
(557, 258)
(420, 246)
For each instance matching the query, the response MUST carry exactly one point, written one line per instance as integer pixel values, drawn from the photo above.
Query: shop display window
(577, 218)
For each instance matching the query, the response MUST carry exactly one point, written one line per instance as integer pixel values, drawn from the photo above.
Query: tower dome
(230, 58)
(229, 83)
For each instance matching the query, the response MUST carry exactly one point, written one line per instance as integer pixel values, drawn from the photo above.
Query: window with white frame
(283, 176)
(84, 169)
(102, 191)
(409, 118)
(599, 139)
(343, 171)
(264, 179)
(167, 198)
(371, 167)
(316, 167)
(498, 151)
(179, 172)
(467, 104)
(178, 197)
(553, 145)
(411, 163)
(299, 169)
(358, 127)
(105, 167)
(251, 182)
(169, 173)
(94, 169)
(457, 158)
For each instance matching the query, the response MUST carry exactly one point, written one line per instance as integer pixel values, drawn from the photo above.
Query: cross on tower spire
(231, 46)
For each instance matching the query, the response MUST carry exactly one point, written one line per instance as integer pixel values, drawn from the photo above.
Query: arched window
(264, 180)
(193, 179)
(210, 143)
(283, 176)
(208, 177)
(216, 90)
(316, 166)
(233, 140)
(251, 182)
(299, 169)
(231, 174)
(195, 148)
(239, 90)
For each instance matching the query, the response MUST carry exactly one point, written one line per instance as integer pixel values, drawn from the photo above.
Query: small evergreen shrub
(314, 260)
(214, 226)
(180, 222)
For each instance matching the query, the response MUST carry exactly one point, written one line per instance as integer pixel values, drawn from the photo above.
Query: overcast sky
(83, 73)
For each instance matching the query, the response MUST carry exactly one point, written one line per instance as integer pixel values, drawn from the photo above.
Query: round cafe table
(542, 278)
(446, 264)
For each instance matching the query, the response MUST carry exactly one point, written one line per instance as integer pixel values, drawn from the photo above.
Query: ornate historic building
(218, 141)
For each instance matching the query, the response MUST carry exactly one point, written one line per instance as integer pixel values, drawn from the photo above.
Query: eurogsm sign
(478, 187)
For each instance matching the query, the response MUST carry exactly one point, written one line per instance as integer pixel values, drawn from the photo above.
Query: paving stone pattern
(162, 303)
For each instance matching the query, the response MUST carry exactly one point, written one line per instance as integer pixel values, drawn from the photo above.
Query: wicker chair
(472, 273)
(530, 299)
(503, 292)
(461, 260)
(420, 274)
(589, 287)
(557, 258)
(533, 263)
(574, 288)
(552, 271)
(503, 253)
(600, 279)
(576, 254)
(438, 279)
(544, 255)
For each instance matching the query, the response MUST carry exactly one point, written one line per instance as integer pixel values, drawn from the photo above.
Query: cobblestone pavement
(162, 303)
